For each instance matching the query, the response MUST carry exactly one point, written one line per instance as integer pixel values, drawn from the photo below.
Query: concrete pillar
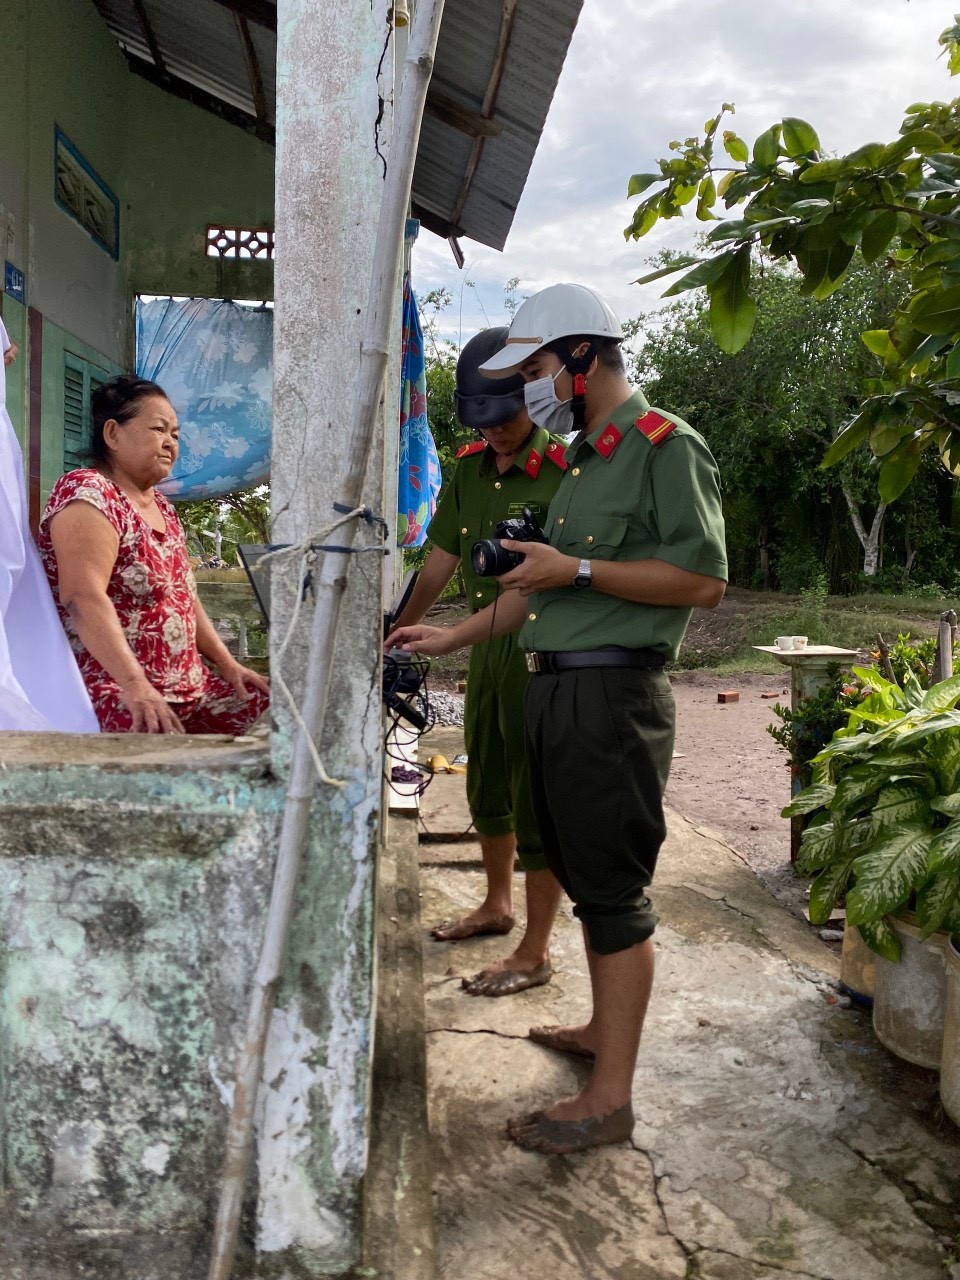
(334, 112)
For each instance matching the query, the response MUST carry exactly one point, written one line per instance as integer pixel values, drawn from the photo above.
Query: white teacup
(784, 642)
(799, 642)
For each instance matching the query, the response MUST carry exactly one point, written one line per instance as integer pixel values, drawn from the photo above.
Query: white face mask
(545, 408)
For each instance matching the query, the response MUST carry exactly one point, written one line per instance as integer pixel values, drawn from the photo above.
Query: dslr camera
(489, 559)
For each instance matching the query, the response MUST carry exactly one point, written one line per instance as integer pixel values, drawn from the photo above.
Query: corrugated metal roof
(539, 40)
(461, 186)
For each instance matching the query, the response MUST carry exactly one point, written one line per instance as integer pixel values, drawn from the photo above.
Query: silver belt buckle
(533, 661)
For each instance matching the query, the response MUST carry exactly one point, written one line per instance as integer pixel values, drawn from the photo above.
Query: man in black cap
(514, 465)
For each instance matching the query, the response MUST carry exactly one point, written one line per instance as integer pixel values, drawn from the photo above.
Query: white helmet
(560, 311)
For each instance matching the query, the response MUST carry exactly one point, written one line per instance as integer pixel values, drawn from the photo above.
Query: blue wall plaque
(14, 283)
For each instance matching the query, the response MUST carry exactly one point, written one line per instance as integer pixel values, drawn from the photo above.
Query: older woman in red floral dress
(116, 557)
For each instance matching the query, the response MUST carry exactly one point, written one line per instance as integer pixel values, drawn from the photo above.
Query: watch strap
(584, 574)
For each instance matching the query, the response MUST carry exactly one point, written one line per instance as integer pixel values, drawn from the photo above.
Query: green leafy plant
(804, 733)
(914, 656)
(894, 202)
(889, 834)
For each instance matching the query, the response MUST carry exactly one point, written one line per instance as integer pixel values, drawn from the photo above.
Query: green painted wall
(173, 167)
(71, 75)
(56, 342)
(185, 169)
(15, 322)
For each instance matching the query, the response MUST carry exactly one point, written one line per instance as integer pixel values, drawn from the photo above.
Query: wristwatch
(584, 576)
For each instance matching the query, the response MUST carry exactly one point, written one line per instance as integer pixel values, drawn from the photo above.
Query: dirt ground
(730, 776)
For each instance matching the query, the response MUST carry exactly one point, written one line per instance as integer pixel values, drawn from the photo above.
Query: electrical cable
(406, 695)
(479, 754)
(308, 559)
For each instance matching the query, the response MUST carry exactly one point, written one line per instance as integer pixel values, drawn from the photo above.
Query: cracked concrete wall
(334, 115)
(132, 895)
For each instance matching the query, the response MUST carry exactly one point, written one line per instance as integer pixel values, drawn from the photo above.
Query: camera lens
(489, 560)
(482, 554)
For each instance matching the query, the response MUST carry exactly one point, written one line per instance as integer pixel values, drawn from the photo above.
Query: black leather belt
(552, 663)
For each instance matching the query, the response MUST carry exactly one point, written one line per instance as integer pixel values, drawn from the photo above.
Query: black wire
(483, 675)
(419, 700)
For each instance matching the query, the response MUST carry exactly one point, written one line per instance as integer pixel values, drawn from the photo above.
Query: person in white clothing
(40, 685)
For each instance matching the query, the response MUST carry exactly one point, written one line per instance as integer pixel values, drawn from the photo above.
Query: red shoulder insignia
(532, 467)
(470, 448)
(555, 453)
(655, 426)
(608, 441)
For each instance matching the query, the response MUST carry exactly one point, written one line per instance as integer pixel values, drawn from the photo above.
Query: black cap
(483, 402)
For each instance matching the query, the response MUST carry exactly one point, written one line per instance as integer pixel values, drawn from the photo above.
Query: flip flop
(507, 982)
(550, 1038)
(537, 1132)
(458, 930)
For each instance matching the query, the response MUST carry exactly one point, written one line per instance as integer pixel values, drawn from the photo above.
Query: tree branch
(855, 517)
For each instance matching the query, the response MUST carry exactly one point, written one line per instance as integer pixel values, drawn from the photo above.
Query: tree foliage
(441, 356)
(771, 410)
(239, 517)
(895, 203)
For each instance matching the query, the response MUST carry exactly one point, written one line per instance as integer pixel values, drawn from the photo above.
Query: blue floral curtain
(419, 465)
(214, 360)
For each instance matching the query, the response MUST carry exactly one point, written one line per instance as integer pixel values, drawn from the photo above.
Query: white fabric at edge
(40, 683)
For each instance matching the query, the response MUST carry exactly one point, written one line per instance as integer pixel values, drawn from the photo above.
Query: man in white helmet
(635, 541)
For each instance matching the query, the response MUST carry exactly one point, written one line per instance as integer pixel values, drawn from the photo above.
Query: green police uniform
(477, 499)
(600, 738)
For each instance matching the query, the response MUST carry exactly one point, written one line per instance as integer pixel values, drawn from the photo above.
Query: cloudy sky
(642, 72)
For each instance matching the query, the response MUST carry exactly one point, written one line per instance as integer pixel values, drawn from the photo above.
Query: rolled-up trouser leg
(488, 784)
(600, 742)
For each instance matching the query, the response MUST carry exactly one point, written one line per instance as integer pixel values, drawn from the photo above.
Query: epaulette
(555, 452)
(470, 448)
(655, 426)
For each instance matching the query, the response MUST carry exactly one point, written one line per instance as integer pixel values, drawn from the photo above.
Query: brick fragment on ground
(728, 695)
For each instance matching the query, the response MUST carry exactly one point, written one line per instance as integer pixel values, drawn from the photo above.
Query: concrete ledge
(135, 752)
(398, 1230)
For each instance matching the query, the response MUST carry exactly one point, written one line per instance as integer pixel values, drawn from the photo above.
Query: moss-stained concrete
(134, 875)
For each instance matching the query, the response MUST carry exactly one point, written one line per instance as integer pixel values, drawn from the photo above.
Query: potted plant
(950, 1062)
(887, 839)
(803, 733)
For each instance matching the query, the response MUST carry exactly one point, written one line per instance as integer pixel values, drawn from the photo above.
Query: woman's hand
(431, 641)
(150, 710)
(242, 678)
(543, 567)
(10, 355)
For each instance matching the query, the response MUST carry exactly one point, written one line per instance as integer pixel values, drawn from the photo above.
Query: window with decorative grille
(86, 197)
(239, 242)
(80, 379)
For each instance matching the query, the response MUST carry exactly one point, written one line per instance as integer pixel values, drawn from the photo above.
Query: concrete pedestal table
(809, 673)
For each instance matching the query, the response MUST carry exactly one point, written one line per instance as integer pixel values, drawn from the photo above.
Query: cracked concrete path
(775, 1136)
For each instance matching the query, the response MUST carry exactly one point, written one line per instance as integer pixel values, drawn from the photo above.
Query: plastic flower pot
(910, 1004)
(858, 967)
